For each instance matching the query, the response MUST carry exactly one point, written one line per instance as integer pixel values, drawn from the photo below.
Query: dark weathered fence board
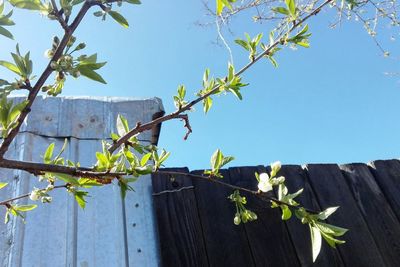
(196, 227)
(269, 247)
(387, 175)
(296, 178)
(332, 190)
(226, 243)
(179, 229)
(381, 220)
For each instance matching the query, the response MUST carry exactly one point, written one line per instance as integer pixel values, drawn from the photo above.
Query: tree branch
(42, 79)
(148, 126)
(41, 168)
(258, 194)
(58, 16)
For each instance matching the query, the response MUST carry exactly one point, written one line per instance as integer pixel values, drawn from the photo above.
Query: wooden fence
(195, 220)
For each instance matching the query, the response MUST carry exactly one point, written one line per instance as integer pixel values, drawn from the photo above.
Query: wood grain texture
(387, 175)
(179, 227)
(331, 189)
(378, 214)
(226, 243)
(268, 237)
(296, 178)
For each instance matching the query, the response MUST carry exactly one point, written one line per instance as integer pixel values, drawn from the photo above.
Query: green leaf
(6, 33)
(226, 160)
(2, 185)
(236, 92)
(28, 4)
(243, 44)
(103, 160)
(25, 207)
(122, 125)
(181, 92)
(134, 2)
(119, 18)
(62, 149)
(91, 74)
(10, 66)
(273, 61)
(331, 241)
(76, 2)
(216, 160)
(291, 5)
(286, 212)
(48, 154)
(207, 103)
(281, 10)
(326, 213)
(80, 198)
(7, 217)
(316, 241)
(145, 159)
(15, 111)
(85, 182)
(65, 177)
(331, 229)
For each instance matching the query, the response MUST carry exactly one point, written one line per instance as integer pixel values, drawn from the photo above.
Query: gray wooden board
(387, 175)
(268, 236)
(226, 243)
(381, 220)
(296, 178)
(179, 227)
(331, 189)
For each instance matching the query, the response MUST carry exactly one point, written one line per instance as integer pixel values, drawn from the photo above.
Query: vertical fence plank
(100, 226)
(226, 243)
(296, 178)
(331, 190)
(268, 237)
(387, 175)
(7, 231)
(179, 227)
(377, 213)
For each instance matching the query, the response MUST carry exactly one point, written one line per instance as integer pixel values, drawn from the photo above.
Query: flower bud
(237, 220)
(275, 167)
(80, 46)
(49, 53)
(46, 199)
(54, 65)
(34, 196)
(49, 187)
(76, 73)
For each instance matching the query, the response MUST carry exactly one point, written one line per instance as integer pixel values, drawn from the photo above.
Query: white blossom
(264, 184)
(34, 196)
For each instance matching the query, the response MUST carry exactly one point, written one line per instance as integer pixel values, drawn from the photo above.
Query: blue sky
(328, 103)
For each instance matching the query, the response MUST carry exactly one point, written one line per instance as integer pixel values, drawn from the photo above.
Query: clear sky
(329, 103)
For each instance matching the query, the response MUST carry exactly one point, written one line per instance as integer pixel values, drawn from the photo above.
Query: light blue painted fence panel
(110, 231)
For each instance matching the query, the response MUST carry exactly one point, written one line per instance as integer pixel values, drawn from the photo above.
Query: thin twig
(148, 126)
(8, 201)
(258, 194)
(185, 118)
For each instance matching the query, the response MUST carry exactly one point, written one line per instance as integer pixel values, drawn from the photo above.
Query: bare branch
(185, 118)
